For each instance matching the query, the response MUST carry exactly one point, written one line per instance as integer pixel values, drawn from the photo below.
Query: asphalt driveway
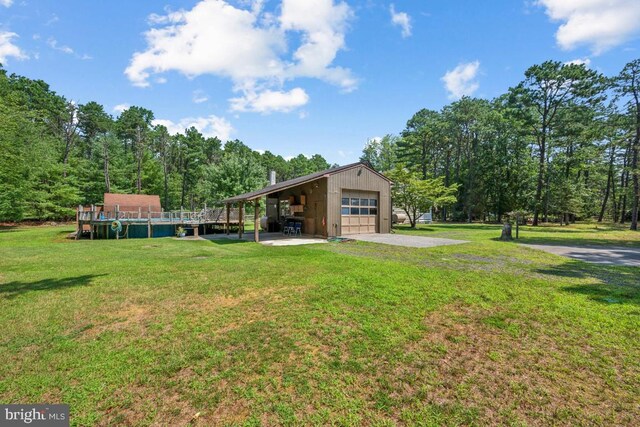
(609, 255)
(406, 240)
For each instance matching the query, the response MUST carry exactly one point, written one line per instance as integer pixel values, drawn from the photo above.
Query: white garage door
(359, 212)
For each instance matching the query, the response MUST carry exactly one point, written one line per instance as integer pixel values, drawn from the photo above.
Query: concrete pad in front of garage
(406, 240)
(608, 255)
(267, 239)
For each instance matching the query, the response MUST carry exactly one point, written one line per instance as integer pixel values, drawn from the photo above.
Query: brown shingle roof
(131, 202)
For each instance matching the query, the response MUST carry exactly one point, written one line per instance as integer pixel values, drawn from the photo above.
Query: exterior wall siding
(315, 207)
(357, 178)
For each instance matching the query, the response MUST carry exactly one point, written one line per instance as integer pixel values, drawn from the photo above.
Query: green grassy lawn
(176, 332)
(575, 234)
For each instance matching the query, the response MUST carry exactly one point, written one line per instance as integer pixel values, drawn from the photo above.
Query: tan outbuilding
(344, 200)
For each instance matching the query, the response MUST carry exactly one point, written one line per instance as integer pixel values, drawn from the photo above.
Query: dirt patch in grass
(231, 410)
(499, 259)
(252, 298)
(488, 361)
(137, 317)
(129, 317)
(140, 404)
(30, 223)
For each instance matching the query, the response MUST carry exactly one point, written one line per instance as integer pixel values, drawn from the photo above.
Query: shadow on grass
(578, 241)
(423, 229)
(448, 226)
(8, 228)
(617, 285)
(606, 294)
(225, 240)
(556, 229)
(513, 240)
(13, 289)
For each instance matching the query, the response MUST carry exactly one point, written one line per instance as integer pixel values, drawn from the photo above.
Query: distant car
(425, 218)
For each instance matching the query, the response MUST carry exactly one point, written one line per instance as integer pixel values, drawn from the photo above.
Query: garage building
(350, 199)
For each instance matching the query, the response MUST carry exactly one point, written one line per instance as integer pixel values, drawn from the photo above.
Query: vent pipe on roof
(272, 178)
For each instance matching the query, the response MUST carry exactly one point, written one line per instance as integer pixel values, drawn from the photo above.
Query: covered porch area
(291, 209)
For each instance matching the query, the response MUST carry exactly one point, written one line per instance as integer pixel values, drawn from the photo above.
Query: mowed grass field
(176, 332)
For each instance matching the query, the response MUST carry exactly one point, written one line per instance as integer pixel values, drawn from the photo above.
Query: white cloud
(402, 20)
(344, 154)
(599, 24)
(208, 126)
(461, 80)
(120, 108)
(54, 18)
(287, 158)
(170, 17)
(8, 48)
(322, 25)
(248, 46)
(199, 97)
(579, 61)
(269, 100)
(6, 3)
(214, 38)
(53, 44)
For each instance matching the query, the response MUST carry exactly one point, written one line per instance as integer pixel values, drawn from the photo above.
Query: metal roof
(297, 181)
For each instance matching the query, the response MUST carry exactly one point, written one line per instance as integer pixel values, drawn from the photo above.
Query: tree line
(56, 154)
(561, 145)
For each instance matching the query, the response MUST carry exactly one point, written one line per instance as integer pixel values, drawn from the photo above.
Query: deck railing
(217, 215)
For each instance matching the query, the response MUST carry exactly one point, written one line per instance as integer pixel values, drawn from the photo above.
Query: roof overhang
(295, 182)
(247, 197)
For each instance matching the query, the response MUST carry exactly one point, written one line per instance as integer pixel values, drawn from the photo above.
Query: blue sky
(304, 76)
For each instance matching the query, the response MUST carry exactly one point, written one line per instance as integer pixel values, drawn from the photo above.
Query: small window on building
(364, 211)
(373, 202)
(355, 211)
(364, 202)
(345, 211)
(373, 211)
(345, 201)
(355, 202)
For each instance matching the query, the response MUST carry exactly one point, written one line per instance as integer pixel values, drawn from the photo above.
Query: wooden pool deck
(96, 222)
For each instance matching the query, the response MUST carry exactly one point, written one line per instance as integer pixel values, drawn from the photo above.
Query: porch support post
(240, 219)
(117, 217)
(256, 221)
(148, 222)
(93, 218)
(79, 219)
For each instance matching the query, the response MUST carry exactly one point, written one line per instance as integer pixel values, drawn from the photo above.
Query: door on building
(359, 212)
(320, 218)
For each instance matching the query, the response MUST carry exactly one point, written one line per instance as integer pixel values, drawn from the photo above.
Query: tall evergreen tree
(549, 88)
(628, 85)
